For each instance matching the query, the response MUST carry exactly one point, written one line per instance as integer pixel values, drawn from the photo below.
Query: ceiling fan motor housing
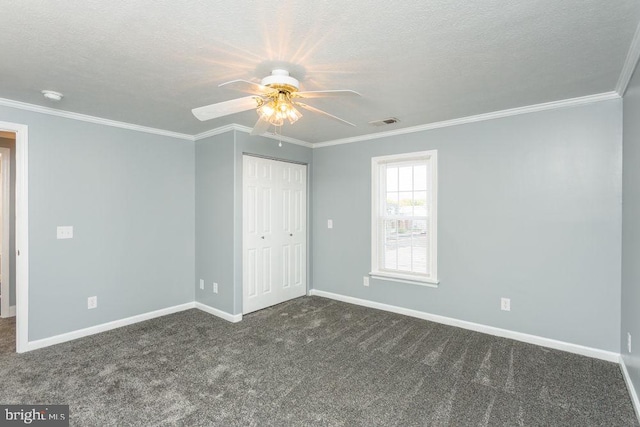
(281, 80)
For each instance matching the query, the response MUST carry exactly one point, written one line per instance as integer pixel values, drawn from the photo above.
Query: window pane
(390, 245)
(392, 205)
(406, 203)
(420, 203)
(420, 178)
(392, 179)
(420, 247)
(405, 178)
(404, 245)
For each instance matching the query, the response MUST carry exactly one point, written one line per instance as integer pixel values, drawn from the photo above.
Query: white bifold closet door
(274, 251)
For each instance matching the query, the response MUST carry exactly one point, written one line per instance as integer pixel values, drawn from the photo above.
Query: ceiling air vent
(384, 122)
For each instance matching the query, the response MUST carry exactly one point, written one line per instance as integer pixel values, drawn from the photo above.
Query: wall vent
(384, 122)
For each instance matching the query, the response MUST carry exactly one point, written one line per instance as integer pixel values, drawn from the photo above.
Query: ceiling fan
(275, 99)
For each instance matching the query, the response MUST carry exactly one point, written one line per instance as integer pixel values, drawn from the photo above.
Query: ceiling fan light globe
(266, 111)
(293, 115)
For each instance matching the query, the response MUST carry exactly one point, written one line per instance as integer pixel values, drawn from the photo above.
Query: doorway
(274, 241)
(19, 254)
(7, 225)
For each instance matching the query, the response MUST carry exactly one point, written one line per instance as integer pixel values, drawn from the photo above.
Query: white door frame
(5, 264)
(22, 233)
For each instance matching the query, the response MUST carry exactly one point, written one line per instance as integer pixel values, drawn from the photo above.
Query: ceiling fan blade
(325, 93)
(249, 87)
(260, 127)
(225, 108)
(315, 110)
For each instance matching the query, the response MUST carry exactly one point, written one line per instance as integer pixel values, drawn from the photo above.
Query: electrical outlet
(215, 288)
(201, 284)
(365, 280)
(629, 341)
(505, 304)
(64, 232)
(92, 302)
(329, 223)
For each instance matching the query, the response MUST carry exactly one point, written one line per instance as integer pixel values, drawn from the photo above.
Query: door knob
(290, 234)
(262, 237)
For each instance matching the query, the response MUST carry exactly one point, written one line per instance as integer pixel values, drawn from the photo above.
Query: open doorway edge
(22, 233)
(6, 309)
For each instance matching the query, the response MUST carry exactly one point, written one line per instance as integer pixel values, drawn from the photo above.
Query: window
(403, 223)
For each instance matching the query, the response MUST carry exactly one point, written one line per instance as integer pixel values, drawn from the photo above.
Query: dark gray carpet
(313, 361)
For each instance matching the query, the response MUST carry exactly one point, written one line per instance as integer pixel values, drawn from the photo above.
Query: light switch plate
(92, 302)
(65, 232)
(330, 223)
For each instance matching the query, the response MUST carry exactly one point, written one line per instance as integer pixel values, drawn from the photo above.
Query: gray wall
(214, 220)
(11, 144)
(529, 208)
(219, 211)
(631, 232)
(526, 204)
(130, 197)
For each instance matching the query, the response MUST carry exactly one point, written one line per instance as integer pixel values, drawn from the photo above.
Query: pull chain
(279, 135)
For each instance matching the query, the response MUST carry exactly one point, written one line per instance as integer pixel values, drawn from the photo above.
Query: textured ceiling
(149, 62)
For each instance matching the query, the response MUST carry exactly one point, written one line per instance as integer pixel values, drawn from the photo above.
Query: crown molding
(91, 119)
(429, 126)
(477, 118)
(123, 125)
(245, 129)
(633, 55)
(214, 132)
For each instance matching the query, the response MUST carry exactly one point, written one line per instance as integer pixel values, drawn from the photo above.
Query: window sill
(430, 283)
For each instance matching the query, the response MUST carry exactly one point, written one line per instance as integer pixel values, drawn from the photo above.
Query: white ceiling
(149, 62)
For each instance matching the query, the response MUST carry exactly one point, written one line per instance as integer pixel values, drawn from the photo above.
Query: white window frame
(376, 235)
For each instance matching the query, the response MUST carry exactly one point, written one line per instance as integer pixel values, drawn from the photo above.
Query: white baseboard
(69, 336)
(233, 318)
(632, 391)
(505, 333)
